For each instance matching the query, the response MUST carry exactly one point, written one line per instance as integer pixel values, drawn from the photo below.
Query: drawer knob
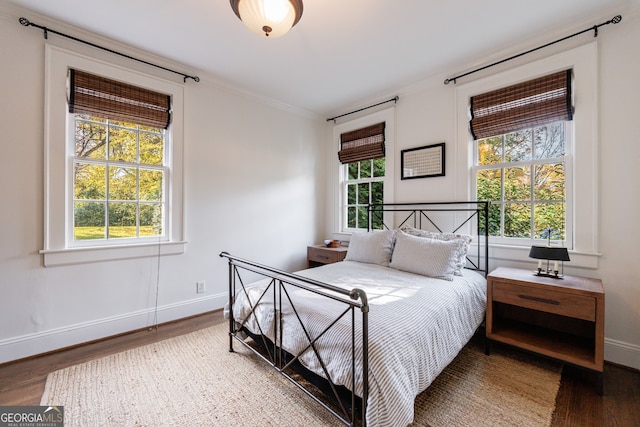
(538, 299)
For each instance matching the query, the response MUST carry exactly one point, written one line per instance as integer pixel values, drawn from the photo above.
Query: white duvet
(417, 325)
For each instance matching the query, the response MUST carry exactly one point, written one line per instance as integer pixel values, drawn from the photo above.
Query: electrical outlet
(201, 287)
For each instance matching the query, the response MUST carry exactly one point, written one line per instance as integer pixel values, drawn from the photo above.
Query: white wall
(254, 178)
(426, 114)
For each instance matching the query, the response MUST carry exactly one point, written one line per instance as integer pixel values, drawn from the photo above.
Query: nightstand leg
(600, 383)
(487, 346)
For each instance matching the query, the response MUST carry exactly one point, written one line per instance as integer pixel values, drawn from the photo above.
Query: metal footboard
(280, 285)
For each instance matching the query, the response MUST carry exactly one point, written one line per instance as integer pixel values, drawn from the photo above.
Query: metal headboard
(453, 217)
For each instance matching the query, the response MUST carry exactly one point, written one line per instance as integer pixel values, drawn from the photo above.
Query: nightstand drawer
(565, 304)
(324, 255)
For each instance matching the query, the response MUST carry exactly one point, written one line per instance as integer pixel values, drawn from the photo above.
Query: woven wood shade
(110, 99)
(532, 103)
(362, 144)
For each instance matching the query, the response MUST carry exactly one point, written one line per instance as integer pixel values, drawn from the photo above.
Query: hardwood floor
(577, 404)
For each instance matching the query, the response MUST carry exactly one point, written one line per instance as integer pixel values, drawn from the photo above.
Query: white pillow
(374, 247)
(462, 261)
(428, 257)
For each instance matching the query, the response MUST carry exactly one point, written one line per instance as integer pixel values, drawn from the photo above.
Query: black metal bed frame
(417, 212)
(352, 409)
(280, 285)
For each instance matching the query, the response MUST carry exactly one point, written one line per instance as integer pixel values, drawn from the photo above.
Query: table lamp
(548, 253)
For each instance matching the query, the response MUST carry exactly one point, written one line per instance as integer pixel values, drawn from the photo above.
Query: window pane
(517, 183)
(517, 220)
(123, 145)
(362, 217)
(122, 183)
(353, 170)
(88, 220)
(550, 141)
(494, 220)
(489, 183)
(90, 140)
(378, 167)
(151, 185)
(122, 220)
(549, 215)
(377, 192)
(90, 181)
(151, 149)
(490, 151)
(363, 194)
(351, 217)
(549, 182)
(151, 220)
(517, 146)
(365, 169)
(352, 192)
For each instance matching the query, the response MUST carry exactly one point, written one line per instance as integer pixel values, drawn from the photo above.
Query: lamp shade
(270, 18)
(550, 253)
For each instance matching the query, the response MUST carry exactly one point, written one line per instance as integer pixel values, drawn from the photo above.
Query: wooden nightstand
(320, 254)
(559, 318)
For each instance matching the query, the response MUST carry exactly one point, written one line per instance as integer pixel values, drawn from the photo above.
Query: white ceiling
(342, 51)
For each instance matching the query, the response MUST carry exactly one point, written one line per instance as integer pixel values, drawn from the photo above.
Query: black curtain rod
(395, 99)
(25, 22)
(613, 20)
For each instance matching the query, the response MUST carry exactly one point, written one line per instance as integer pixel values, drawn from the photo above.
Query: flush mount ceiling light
(271, 18)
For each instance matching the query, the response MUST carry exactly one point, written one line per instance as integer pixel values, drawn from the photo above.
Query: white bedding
(417, 325)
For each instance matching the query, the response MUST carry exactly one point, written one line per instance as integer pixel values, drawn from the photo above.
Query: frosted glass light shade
(270, 18)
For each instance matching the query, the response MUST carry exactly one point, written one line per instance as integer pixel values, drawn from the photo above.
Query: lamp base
(552, 274)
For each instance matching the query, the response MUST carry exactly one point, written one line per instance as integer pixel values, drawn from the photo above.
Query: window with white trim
(119, 168)
(519, 166)
(522, 174)
(364, 185)
(579, 161)
(364, 169)
(113, 177)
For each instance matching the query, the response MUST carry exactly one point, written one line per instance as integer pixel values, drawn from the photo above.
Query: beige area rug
(194, 380)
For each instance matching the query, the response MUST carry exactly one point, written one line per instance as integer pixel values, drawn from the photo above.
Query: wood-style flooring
(22, 382)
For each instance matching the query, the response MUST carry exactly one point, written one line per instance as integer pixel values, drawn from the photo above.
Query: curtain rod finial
(616, 19)
(24, 21)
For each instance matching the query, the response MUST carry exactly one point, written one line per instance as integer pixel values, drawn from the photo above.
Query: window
(576, 160)
(519, 157)
(362, 154)
(522, 174)
(119, 166)
(119, 180)
(364, 185)
(113, 172)
(364, 170)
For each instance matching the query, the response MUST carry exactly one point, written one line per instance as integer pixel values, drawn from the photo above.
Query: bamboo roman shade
(362, 144)
(114, 100)
(532, 103)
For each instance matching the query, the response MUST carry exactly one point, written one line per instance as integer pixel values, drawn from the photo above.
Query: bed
(365, 336)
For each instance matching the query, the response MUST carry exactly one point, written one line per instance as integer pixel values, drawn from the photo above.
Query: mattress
(417, 326)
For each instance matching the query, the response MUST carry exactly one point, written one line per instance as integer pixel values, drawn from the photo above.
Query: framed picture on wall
(422, 162)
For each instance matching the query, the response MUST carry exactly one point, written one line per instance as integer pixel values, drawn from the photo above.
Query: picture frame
(423, 162)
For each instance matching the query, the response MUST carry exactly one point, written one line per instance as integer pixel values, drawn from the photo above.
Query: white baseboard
(618, 352)
(622, 353)
(54, 339)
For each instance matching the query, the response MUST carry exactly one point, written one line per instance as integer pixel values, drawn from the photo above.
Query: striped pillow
(462, 260)
(427, 257)
(373, 248)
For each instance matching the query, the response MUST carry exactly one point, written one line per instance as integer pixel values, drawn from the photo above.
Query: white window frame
(568, 202)
(340, 171)
(580, 158)
(59, 248)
